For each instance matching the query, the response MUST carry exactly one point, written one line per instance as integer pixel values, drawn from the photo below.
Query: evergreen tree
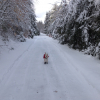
(40, 26)
(77, 24)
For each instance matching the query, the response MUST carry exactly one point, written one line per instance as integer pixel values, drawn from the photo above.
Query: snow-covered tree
(17, 20)
(47, 23)
(40, 26)
(77, 23)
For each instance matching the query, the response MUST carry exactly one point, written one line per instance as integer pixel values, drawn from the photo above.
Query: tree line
(76, 23)
(17, 20)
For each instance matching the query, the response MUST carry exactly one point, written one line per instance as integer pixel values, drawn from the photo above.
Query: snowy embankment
(69, 75)
(10, 52)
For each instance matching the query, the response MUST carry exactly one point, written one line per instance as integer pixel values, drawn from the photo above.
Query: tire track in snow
(55, 82)
(7, 74)
(72, 64)
(65, 57)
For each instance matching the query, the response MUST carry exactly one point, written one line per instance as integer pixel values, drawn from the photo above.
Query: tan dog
(45, 58)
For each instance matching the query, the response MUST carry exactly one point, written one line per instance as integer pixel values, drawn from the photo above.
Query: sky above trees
(43, 6)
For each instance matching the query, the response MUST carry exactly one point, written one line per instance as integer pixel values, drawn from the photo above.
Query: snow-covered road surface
(69, 75)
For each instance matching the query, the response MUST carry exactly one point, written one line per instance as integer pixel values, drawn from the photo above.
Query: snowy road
(70, 75)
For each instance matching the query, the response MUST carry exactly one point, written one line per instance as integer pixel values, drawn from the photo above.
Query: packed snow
(69, 74)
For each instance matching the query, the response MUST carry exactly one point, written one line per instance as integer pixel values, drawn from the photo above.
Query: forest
(17, 20)
(58, 59)
(76, 23)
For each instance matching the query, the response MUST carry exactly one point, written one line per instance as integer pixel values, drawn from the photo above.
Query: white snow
(69, 75)
(82, 16)
(97, 2)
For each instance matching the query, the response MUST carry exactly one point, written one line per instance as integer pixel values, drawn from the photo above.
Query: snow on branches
(17, 17)
(77, 24)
